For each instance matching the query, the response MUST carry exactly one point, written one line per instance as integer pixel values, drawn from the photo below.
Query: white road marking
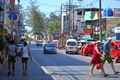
(43, 67)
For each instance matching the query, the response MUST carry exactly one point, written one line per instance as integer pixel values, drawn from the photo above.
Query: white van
(71, 46)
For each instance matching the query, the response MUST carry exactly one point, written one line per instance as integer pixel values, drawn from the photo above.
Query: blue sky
(47, 6)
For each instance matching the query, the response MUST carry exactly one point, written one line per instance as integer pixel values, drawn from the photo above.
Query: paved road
(58, 66)
(63, 66)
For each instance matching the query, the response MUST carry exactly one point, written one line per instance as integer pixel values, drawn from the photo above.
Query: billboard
(112, 23)
(56, 36)
(88, 31)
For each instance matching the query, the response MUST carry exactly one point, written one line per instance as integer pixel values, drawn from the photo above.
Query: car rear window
(50, 45)
(71, 43)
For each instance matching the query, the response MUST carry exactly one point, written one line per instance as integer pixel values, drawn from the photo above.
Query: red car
(87, 49)
(116, 51)
(56, 42)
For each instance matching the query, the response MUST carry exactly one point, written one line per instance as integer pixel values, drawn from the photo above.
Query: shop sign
(87, 31)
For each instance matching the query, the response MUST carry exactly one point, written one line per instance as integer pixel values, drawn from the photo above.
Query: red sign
(87, 31)
(111, 34)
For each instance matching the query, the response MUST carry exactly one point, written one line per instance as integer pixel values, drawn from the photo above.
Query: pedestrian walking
(12, 53)
(96, 59)
(107, 54)
(25, 56)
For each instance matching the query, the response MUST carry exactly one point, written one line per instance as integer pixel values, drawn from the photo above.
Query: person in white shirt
(25, 56)
(11, 52)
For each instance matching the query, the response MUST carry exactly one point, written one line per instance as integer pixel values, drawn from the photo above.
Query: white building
(71, 25)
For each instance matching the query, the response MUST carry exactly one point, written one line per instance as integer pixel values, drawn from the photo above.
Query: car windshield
(50, 45)
(71, 43)
(118, 47)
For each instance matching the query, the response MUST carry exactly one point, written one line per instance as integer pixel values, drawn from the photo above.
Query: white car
(39, 43)
(71, 46)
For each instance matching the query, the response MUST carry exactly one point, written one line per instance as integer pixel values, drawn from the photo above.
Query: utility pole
(61, 19)
(100, 17)
(69, 17)
(73, 18)
(61, 30)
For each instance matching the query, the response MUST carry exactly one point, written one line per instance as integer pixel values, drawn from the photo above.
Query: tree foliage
(36, 19)
(54, 23)
(40, 23)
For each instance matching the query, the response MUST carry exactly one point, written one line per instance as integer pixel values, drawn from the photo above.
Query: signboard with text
(87, 31)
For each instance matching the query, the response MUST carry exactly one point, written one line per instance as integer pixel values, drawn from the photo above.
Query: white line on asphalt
(43, 67)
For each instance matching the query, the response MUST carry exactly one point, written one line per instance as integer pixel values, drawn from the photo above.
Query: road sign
(13, 16)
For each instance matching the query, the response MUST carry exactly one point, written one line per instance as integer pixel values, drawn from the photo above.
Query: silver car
(50, 48)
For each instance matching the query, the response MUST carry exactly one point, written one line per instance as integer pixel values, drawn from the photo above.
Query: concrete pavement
(34, 72)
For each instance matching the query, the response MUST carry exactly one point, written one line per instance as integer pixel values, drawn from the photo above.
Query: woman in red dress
(96, 58)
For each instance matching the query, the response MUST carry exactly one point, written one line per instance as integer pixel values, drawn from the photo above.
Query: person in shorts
(11, 52)
(25, 56)
(107, 54)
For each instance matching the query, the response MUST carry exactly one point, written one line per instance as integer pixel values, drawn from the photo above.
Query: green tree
(36, 19)
(54, 23)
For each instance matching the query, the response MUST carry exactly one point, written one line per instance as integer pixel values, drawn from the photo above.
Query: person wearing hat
(96, 59)
(107, 53)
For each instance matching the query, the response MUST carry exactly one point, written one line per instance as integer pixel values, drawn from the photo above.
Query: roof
(71, 40)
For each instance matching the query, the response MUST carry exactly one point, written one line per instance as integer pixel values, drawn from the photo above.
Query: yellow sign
(5, 32)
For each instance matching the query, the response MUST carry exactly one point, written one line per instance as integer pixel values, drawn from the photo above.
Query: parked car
(49, 48)
(87, 49)
(71, 46)
(56, 42)
(39, 43)
(116, 51)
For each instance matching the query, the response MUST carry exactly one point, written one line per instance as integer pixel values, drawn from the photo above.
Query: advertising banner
(88, 31)
(56, 36)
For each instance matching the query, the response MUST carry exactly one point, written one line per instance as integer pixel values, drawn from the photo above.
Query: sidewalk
(34, 72)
